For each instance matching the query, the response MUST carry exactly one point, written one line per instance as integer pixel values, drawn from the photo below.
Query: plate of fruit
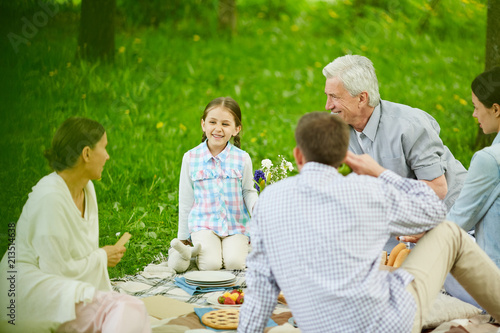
(232, 298)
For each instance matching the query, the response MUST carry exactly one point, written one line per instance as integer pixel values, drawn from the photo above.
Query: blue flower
(260, 180)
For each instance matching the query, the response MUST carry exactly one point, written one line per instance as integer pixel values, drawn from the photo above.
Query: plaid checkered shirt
(218, 191)
(318, 237)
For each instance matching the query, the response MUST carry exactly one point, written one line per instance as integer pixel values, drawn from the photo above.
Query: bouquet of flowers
(269, 173)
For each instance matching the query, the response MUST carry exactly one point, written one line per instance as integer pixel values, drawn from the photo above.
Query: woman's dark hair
(72, 136)
(486, 87)
(230, 105)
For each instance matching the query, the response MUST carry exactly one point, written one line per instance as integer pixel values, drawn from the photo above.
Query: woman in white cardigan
(60, 273)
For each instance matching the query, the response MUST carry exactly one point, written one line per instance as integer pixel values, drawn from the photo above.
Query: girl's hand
(411, 238)
(115, 254)
(186, 242)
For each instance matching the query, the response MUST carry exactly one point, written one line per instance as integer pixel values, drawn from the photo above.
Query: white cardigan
(58, 259)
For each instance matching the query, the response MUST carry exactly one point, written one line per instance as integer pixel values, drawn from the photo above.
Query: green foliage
(155, 12)
(449, 19)
(151, 100)
(19, 6)
(273, 9)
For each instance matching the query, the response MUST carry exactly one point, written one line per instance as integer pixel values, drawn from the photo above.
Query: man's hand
(411, 238)
(363, 164)
(115, 254)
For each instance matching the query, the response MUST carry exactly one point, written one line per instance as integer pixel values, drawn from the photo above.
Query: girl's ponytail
(237, 141)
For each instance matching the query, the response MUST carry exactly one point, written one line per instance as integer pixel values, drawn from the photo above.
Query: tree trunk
(227, 16)
(492, 58)
(96, 40)
(493, 35)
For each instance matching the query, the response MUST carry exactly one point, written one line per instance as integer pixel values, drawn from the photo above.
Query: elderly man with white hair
(402, 139)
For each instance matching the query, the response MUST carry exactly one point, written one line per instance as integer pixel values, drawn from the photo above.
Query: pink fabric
(109, 312)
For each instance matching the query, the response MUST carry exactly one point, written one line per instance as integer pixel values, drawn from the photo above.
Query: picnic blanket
(447, 315)
(145, 285)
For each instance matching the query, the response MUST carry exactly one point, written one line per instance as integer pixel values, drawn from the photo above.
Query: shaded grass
(150, 101)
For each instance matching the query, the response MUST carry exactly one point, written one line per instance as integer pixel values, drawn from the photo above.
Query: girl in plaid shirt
(216, 191)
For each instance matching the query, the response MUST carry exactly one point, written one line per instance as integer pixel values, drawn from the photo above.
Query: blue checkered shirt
(318, 237)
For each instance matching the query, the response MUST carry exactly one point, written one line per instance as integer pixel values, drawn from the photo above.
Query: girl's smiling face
(219, 127)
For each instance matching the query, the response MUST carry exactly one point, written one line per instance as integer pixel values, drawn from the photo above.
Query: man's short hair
(357, 74)
(322, 137)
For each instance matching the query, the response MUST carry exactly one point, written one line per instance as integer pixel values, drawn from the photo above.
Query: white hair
(357, 74)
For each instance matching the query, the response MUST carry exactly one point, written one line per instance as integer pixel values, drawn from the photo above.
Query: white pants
(216, 252)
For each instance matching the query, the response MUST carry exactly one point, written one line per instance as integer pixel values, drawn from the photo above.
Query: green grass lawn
(151, 99)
